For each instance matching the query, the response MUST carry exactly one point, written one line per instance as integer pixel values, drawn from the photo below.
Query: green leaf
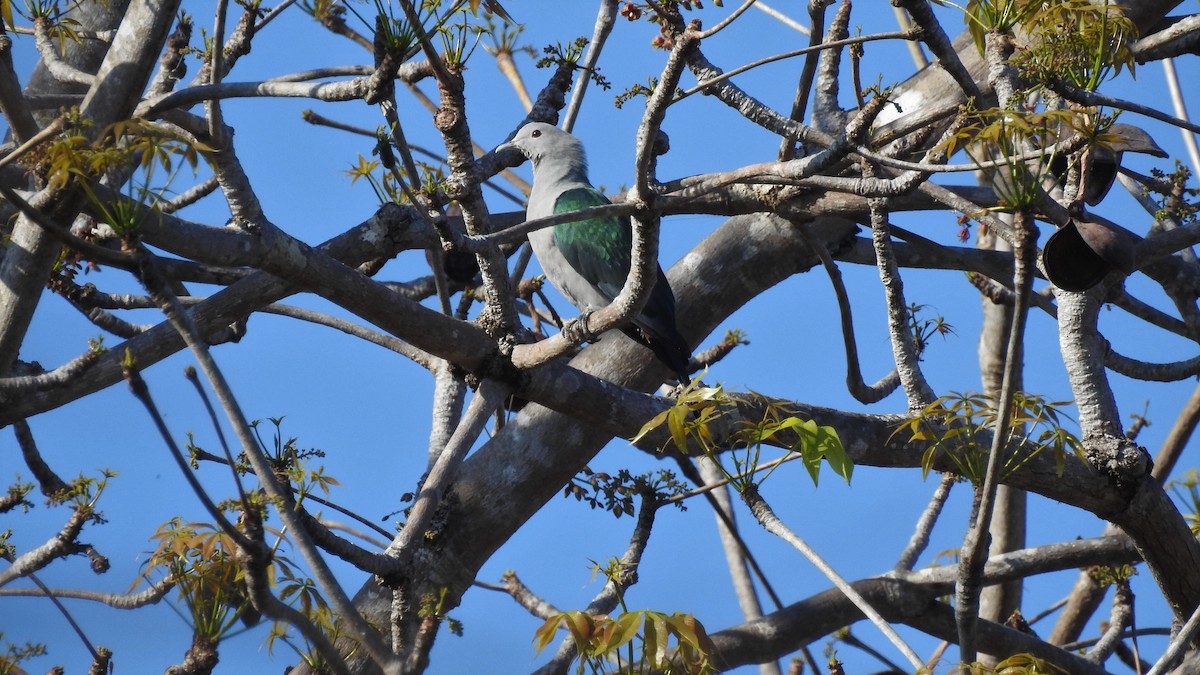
(835, 453)
(618, 633)
(655, 637)
(546, 632)
(582, 627)
(654, 423)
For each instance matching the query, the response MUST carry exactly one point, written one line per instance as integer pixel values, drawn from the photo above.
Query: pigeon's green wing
(598, 248)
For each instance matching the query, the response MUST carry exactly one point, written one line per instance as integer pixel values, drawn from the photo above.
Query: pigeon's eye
(536, 133)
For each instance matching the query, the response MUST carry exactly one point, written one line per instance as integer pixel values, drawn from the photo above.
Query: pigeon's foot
(577, 331)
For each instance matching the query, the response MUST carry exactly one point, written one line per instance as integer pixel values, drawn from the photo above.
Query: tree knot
(1123, 461)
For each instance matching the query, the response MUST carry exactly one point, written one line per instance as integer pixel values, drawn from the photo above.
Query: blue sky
(368, 409)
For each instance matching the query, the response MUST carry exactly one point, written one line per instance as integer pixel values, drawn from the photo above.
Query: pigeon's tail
(655, 327)
(668, 345)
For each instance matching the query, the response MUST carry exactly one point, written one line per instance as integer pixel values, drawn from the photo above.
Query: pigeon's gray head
(539, 141)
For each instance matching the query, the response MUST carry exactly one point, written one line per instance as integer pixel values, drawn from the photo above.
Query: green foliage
(636, 90)
(923, 329)
(289, 461)
(1003, 135)
(17, 493)
(1178, 201)
(1187, 489)
(83, 493)
(62, 28)
(7, 551)
(601, 639)
(96, 345)
(994, 16)
(392, 29)
(1080, 42)
(129, 153)
(601, 490)
(693, 420)
(401, 38)
(365, 169)
(210, 575)
(12, 655)
(955, 426)
(324, 11)
(556, 54)
(208, 579)
(285, 455)
(1107, 575)
(457, 41)
(1017, 664)
(296, 589)
(436, 607)
(384, 175)
(503, 37)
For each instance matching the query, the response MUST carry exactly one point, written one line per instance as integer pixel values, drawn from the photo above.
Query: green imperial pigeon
(588, 260)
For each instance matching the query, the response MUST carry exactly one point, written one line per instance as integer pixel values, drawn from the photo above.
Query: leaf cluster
(1080, 42)
(62, 28)
(1187, 490)
(83, 493)
(635, 90)
(924, 328)
(1003, 135)
(128, 153)
(994, 16)
(285, 455)
(203, 560)
(12, 655)
(437, 607)
(1108, 575)
(325, 619)
(17, 493)
(556, 54)
(384, 175)
(601, 638)
(324, 11)
(200, 558)
(699, 418)
(601, 490)
(1178, 202)
(1017, 664)
(958, 426)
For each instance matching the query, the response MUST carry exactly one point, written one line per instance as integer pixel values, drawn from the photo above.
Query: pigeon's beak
(511, 154)
(506, 146)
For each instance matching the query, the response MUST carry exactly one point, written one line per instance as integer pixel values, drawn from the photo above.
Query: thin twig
(920, 537)
(762, 511)
(975, 545)
(605, 20)
(334, 593)
(1189, 139)
(190, 374)
(53, 597)
(1180, 645)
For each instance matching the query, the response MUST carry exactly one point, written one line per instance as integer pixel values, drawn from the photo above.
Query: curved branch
(344, 90)
(911, 599)
(150, 596)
